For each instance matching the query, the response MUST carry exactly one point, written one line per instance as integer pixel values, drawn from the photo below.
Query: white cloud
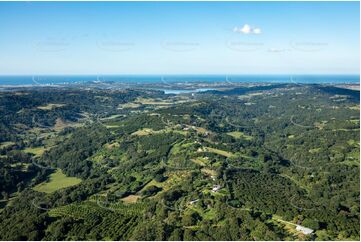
(278, 50)
(257, 31)
(247, 29)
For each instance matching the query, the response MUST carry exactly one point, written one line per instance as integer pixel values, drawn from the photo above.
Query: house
(216, 188)
(304, 230)
(193, 201)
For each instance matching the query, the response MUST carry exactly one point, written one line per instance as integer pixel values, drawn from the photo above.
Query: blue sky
(179, 38)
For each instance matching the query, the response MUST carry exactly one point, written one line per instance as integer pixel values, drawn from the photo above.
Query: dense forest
(267, 162)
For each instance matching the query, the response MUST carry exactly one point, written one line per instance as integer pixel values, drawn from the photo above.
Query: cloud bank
(247, 29)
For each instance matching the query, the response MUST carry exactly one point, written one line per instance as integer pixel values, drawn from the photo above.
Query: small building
(216, 188)
(304, 230)
(193, 201)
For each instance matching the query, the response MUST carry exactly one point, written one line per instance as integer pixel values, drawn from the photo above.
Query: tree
(310, 223)
(5, 195)
(190, 218)
(151, 190)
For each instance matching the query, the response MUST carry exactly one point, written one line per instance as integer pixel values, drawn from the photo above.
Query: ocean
(68, 79)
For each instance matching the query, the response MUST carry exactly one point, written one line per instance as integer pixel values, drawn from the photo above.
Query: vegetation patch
(143, 132)
(199, 161)
(57, 180)
(131, 198)
(129, 105)
(239, 135)
(6, 144)
(209, 172)
(218, 151)
(315, 150)
(37, 151)
(51, 106)
(151, 101)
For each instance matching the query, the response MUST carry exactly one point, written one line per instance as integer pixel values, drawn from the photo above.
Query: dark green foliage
(297, 159)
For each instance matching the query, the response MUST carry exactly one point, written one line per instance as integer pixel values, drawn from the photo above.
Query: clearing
(51, 106)
(238, 135)
(57, 180)
(217, 151)
(131, 199)
(37, 151)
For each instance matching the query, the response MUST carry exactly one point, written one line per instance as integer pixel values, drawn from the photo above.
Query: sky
(179, 38)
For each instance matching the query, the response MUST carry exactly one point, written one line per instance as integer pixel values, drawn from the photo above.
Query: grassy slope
(57, 180)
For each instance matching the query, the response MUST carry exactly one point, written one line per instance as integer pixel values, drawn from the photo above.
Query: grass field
(57, 180)
(148, 131)
(209, 172)
(51, 106)
(239, 135)
(60, 124)
(6, 144)
(129, 105)
(151, 101)
(217, 151)
(200, 161)
(131, 199)
(315, 150)
(143, 132)
(37, 151)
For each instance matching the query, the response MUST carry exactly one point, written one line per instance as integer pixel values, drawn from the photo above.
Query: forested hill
(244, 90)
(274, 162)
(354, 94)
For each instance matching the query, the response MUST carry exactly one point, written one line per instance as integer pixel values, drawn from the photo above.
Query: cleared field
(356, 107)
(112, 126)
(151, 101)
(199, 161)
(22, 166)
(57, 180)
(209, 172)
(148, 131)
(145, 131)
(51, 106)
(219, 152)
(6, 144)
(60, 124)
(112, 117)
(239, 135)
(290, 227)
(129, 105)
(353, 142)
(37, 151)
(131, 199)
(355, 121)
(201, 130)
(315, 150)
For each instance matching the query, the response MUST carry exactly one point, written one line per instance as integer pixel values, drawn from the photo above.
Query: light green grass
(200, 161)
(51, 106)
(355, 121)
(57, 180)
(6, 144)
(239, 135)
(219, 152)
(37, 151)
(315, 150)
